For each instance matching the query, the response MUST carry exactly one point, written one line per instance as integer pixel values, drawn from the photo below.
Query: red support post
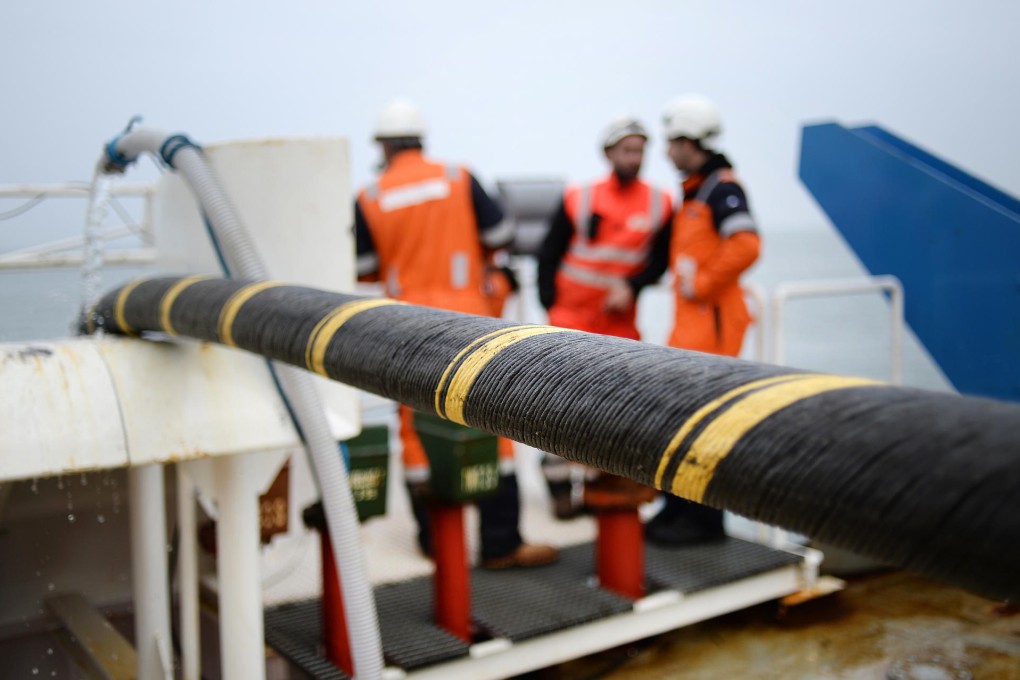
(334, 624)
(620, 552)
(452, 582)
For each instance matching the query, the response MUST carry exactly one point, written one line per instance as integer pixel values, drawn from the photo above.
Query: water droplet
(60, 483)
(50, 587)
(35, 671)
(101, 519)
(70, 517)
(84, 480)
(49, 650)
(38, 573)
(35, 486)
(114, 656)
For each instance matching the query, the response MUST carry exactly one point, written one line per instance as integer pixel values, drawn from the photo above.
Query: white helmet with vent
(694, 117)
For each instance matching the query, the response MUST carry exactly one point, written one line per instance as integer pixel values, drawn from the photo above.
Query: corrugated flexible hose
(243, 261)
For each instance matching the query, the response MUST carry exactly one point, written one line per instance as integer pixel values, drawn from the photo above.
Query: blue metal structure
(952, 239)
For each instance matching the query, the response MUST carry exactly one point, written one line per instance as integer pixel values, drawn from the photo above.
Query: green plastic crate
(464, 462)
(369, 455)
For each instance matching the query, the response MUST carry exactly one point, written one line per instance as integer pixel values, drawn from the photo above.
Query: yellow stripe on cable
(170, 296)
(722, 434)
(118, 308)
(322, 334)
(460, 355)
(708, 408)
(231, 308)
(468, 371)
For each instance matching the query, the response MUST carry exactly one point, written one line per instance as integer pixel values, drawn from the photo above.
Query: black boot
(498, 519)
(419, 493)
(502, 547)
(681, 522)
(562, 494)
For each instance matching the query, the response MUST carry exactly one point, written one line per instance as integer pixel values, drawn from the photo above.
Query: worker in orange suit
(428, 232)
(713, 240)
(591, 266)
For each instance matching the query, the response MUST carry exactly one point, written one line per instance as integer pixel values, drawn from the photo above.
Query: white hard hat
(400, 118)
(623, 126)
(694, 117)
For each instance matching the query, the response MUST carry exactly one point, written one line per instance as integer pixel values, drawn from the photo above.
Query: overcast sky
(513, 89)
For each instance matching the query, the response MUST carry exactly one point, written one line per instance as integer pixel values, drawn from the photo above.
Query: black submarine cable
(922, 480)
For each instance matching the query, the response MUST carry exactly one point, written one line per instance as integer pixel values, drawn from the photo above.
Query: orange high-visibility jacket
(707, 260)
(425, 233)
(629, 215)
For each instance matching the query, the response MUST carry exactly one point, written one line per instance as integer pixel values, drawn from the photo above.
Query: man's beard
(626, 177)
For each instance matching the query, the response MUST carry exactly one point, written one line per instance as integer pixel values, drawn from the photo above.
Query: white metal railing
(755, 294)
(821, 288)
(67, 252)
(839, 287)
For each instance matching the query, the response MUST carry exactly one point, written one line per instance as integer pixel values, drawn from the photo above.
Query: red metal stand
(452, 583)
(620, 546)
(334, 624)
(620, 552)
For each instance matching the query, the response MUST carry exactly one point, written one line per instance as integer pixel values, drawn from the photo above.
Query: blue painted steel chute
(951, 238)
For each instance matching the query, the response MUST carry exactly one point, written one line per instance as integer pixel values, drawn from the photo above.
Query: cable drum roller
(922, 480)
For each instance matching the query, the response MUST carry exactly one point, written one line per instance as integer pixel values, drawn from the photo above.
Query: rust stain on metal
(188, 454)
(880, 626)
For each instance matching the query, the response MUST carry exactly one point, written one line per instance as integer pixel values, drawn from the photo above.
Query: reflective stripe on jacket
(707, 260)
(629, 216)
(420, 216)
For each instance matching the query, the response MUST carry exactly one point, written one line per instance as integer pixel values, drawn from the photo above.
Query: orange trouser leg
(416, 463)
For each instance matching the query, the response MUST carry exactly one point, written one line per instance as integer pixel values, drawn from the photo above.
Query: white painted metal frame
(148, 572)
(67, 252)
(756, 295)
(838, 287)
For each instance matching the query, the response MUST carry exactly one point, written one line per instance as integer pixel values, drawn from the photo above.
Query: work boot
(526, 555)
(681, 522)
(502, 546)
(557, 473)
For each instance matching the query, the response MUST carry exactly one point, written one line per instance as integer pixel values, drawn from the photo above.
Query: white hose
(341, 517)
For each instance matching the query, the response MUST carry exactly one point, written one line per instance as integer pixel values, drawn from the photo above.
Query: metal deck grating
(517, 604)
(409, 638)
(524, 603)
(294, 631)
(690, 569)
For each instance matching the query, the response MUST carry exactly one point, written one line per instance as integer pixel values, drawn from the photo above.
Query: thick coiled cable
(922, 480)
